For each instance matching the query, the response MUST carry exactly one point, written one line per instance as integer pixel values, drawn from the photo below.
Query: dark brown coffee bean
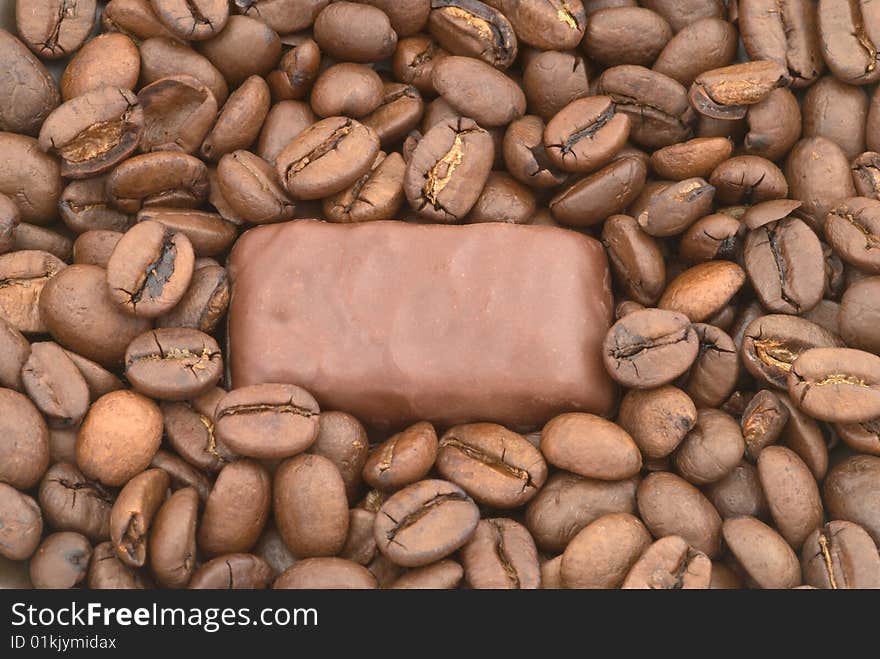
(71, 502)
(189, 428)
(250, 187)
(173, 363)
(676, 207)
(24, 275)
(473, 29)
(398, 113)
(836, 384)
(861, 437)
(162, 57)
(204, 303)
(21, 524)
(208, 233)
(403, 459)
(85, 206)
(670, 564)
(774, 125)
(267, 421)
(413, 62)
(818, 175)
(107, 60)
(178, 113)
(848, 35)
(852, 227)
(406, 16)
(295, 73)
(14, 352)
(626, 35)
(326, 158)
(586, 134)
(442, 575)
(648, 348)
(568, 502)
(99, 380)
(712, 449)
(165, 178)
(792, 494)
(739, 493)
(496, 466)
(360, 545)
(24, 439)
(28, 93)
(55, 384)
(681, 13)
(707, 43)
(602, 554)
(31, 178)
(501, 554)
(56, 28)
(310, 506)
(748, 180)
(636, 259)
(181, 473)
(343, 440)
(425, 522)
(132, 515)
(840, 555)
(657, 105)
(526, 157)
(377, 195)
(172, 543)
(283, 16)
(61, 561)
(611, 454)
(118, 437)
(850, 493)
(552, 80)
(107, 572)
(477, 90)
(150, 269)
(858, 315)
(135, 18)
(33, 237)
(606, 192)
(714, 236)
(236, 510)
(328, 573)
(235, 571)
(193, 20)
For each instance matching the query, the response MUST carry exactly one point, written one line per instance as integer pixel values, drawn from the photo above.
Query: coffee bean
(267, 421)
(376, 195)
(477, 90)
(818, 174)
(203, 304)
(181, 473)
(108, 60)
(670, 564)
(681, 14)
(712, 449)
(626, 35)
(774, 125)
(748, 180)
(164, 178)
(327, 573)
(24, 447)
(343, 440)
(413, 62)
(403, 459)
(840, 555)
(703, 290)
(243, 34)
(21, 524)
(635, 257)
(714, 373)
(283, 16)
(526, 157)
(657, 419)
(585, 134)
(374, 39)
(239, 121)
(739, 493)
(107, 572)
(425, 522)
(442, 575)
(14, 352)
(55, 29)
(61, 561)
(850, 493)
(72, 502)
(553, 25)
(803, 435)
(649, 348)
(30, 177)
(55, 384)
(725, 93)
(792, 494)
(284, 122)
(599, 195)
(235, 571)
(132, 515)
(399, 112)
(24, 275)
(836, 111)
(765, 558)
(861, 437)
(85, 207)
(836, 384)
(602, 554)
(163, 57)
(762, 422)
(193, 20)
(611, 454)
(494, 465)
(179, 110)
(28, 93)
(236, 510)
(172, 542)
(501, 555)
(552, 80)
(473, 29)
(847, 40)
(173, 363)
(707, 43)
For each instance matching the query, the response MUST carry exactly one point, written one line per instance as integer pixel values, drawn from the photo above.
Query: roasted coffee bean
(848, 34)
(181, 473)
(55, 384)
(99, 380)
(172, 542)
(209, 234)
(585, 134)
(360, 544)
(343, 440)
(473, 29)
(552, 80)
(714, 373)
(447, 170)
(496, 466)
(792, 493)
(33, 237)
(602, 554)
(24, 437)
(355, 32)
(766, 212)
(762, 554)
(56, 28)
(283, 16)
(193, 20)
(852, 227)
(476, 90)
(295, 73)
(237, 509)
(21, 524)
(680, 13)
(173, 363)
(739, 493)
(132, 515)
(762, 422)
(611, 454)
(243, 34)
(774, 125)
(150, 269)
(670, 564)
(604, 193)
(636, 259)
(818, 174)
(397, 114)
(14, 352)
(28, 93)
(10, 220)
(850, 493)
(836, 384)
(649, 348)
(840, 555)
(203, 304)
(403, 459)
(503, 199)
(703, 290)
(748, 180)
(23, 277)
(179, 110)
(553, 25)
(236, 571)
(692, 159)
(284, 122)
(250, 187)
(189, 428)
(568, 502)
(442, 575)
(108, 60)
(501, 555)
(425, 522)
(724, 578)
(85, 206)
(310, 506)
(376, 195)
(162, 57)
(669, 505)
(71, 502)
(707, 43)
(61, 561)
(714, 236)
(526, 157)
(328, 573)
(657, 419)
(836, 111)
(406, 16)
(175, 180)
(107, 572)
(858, 315)
(31, 178)
(413, 62)
(239, 121)
(727, 92)
(626, 35)
(118, 437)
(657, 105)
(135, 18)
(712, 449)
(803, 435)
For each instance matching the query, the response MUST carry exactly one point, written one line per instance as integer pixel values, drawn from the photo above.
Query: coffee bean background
(725, 153)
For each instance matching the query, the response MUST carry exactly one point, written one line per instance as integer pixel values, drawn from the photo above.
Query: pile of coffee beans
(726, 154)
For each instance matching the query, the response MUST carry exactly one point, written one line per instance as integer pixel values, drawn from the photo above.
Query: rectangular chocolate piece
(397, 322)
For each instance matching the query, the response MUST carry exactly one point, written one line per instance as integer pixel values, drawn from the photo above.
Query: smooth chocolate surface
(396, 322)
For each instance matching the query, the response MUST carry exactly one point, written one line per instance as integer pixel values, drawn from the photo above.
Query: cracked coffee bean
(840, 555)
(473, 29)
(172, 542)
(236, 571)
(55, 28)
(836, 384)
(585, 134)
(193, 20)
(501, 554)
(72, 502)
(403, 459)
(132, 515)
(21, 524)
(670, 564)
